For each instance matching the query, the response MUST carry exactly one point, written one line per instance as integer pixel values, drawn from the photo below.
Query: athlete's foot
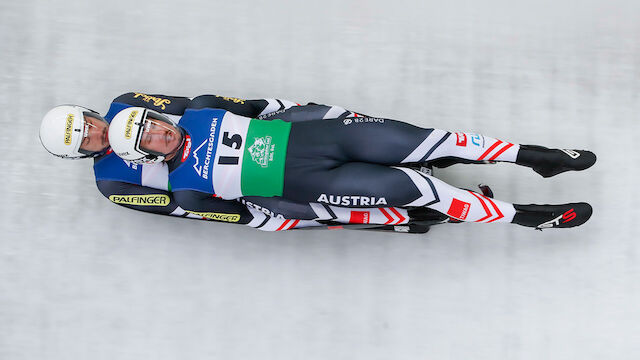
(552, 216)
(550, 162)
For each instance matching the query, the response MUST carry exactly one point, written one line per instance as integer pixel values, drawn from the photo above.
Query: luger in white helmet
(63, 128)
(129, 126)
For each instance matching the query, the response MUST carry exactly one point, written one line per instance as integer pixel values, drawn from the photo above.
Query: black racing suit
(148, 193)
(336, 157)
(152, 193)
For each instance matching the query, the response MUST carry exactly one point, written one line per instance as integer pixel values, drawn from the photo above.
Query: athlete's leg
(390, 142)
(372, 185)
(343, 163)
(279, 207)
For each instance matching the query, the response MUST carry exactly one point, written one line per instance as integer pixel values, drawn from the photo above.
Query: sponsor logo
(346, 200)
(197, 168)
(262, 151)
(68, 127)
(130, 164)
(571, 153)
(159, 102)
(218, 216)
(235, 100)
(461, 139)
(359, 217)
(262, 209)
(274, 113)
(477, 140)
(203, 170)
(550, 223)
(141, 200)
(361, 120)
(129, 125)
(567, 216)
(459, 209)
(187, 148)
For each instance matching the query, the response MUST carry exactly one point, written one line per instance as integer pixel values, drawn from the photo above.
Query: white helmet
(63, 129)
(126, 130)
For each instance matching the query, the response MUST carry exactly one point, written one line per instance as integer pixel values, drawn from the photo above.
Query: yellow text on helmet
(68, 128)
(127, 129)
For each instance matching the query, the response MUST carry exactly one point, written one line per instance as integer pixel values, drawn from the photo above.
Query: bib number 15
(234, 142)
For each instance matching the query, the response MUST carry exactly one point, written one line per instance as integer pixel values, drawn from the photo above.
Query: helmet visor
(94, 135)
(158, 135)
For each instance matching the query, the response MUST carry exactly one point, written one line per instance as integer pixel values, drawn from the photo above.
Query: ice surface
(81, 278)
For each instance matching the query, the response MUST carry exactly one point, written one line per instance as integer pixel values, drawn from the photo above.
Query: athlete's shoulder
(113, 168)
(214, 101)
(195, 121)
(250, 108)
(162, 103)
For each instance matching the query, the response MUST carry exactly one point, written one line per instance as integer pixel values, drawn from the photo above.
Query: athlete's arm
(172, 105)
(248, 108)
(176, 105)
(269, 109)
(139, 197)
(311, 112)
(212, 208)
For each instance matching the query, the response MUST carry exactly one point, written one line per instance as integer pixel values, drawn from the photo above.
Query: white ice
(81, 278)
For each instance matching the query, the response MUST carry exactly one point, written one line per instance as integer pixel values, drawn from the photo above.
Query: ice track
(81, 278)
